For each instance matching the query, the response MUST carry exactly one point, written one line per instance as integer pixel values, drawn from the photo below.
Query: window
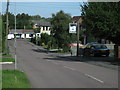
(43, 28)
(46, 28)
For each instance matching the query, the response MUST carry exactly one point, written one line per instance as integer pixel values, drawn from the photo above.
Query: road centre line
(94, 78)
(69, 68)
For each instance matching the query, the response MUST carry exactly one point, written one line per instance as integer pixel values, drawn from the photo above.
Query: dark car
(97, 49)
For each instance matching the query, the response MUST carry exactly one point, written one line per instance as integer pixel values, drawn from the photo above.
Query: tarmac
(107, 62)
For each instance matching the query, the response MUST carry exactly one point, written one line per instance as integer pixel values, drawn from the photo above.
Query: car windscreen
(100, 46)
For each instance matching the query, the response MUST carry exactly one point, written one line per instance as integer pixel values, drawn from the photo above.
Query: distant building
(77, 19)
(20, 33)
(43, 25)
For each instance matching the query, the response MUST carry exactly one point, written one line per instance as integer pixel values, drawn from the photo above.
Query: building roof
(76, 18)
(41, 22)
(20, 31)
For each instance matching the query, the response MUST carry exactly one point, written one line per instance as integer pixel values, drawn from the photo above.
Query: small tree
(60, 29)
(45, 38)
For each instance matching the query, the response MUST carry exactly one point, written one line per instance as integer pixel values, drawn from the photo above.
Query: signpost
(72, 27)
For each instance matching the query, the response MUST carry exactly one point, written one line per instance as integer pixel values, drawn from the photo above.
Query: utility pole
(78, 38)
(7, 23)
(15, 40)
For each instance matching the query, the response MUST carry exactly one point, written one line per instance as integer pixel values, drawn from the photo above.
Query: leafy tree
(11, 20)
(60, 28)
(102, 20)
(23, 20)
(36, 17)
(45, 38)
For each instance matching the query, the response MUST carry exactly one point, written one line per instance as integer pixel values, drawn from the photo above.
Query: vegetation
(60, 30)
(22, 20)
(0, 35)
(14, 79)
(102, 20)
(7, 60)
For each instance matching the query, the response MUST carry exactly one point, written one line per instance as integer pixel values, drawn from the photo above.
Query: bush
(43, 44)
(66, 49)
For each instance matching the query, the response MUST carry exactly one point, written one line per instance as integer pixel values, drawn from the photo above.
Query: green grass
(7, 60)
(7, 55)
(14, 79)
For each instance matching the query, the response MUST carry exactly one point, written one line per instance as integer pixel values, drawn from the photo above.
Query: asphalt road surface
(46, 71)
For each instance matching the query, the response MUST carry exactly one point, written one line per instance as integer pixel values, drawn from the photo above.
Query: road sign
(72, 27)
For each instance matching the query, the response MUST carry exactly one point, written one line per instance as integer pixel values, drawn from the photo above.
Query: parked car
(97, 49)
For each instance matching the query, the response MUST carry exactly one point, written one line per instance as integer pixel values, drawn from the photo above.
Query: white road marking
(69, 68)
(94, 78)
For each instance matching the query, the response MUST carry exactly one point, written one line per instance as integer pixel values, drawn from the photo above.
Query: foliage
(11, 20)
(45, 38)
(37, 30)
(102, 20)
(0, 35)
(60, 29)
(7, 60)
(23, 20)
(3, 32)
(14, 79)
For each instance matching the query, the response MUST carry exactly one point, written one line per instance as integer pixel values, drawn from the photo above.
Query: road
(46, 71)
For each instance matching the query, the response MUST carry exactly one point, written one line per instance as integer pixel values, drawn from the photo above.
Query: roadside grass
(7, 60)
(14, 79)
(7, 55)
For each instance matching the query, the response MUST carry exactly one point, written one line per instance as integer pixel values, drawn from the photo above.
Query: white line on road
(69, 68)
(94, 78)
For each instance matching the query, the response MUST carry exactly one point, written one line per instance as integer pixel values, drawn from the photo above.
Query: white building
(20, 33)
(44, 26)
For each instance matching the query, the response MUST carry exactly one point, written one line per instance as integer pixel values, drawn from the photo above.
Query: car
(97, 49)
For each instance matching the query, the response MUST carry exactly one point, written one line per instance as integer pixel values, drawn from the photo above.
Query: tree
(11, 20)
(102, 20)
(60, 28)
(23, 20)
(45, 38)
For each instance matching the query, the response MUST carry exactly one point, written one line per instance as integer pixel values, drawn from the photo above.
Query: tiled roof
(76, 18)
(41, 22)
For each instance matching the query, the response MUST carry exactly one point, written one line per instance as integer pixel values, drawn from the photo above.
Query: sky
(44, 9)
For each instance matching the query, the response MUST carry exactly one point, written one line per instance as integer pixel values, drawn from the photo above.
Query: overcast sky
(44, 9)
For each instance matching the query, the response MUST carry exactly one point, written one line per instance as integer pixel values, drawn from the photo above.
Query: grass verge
(7, 55)
(14, 79)
(7, 60)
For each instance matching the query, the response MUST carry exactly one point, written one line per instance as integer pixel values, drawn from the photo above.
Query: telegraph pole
(7, 23)
(78, 38)
(15, 40)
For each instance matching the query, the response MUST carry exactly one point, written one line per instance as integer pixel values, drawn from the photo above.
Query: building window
(46, 28)
(43, 28)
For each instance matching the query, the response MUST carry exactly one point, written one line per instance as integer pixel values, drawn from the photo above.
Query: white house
(43, 25)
